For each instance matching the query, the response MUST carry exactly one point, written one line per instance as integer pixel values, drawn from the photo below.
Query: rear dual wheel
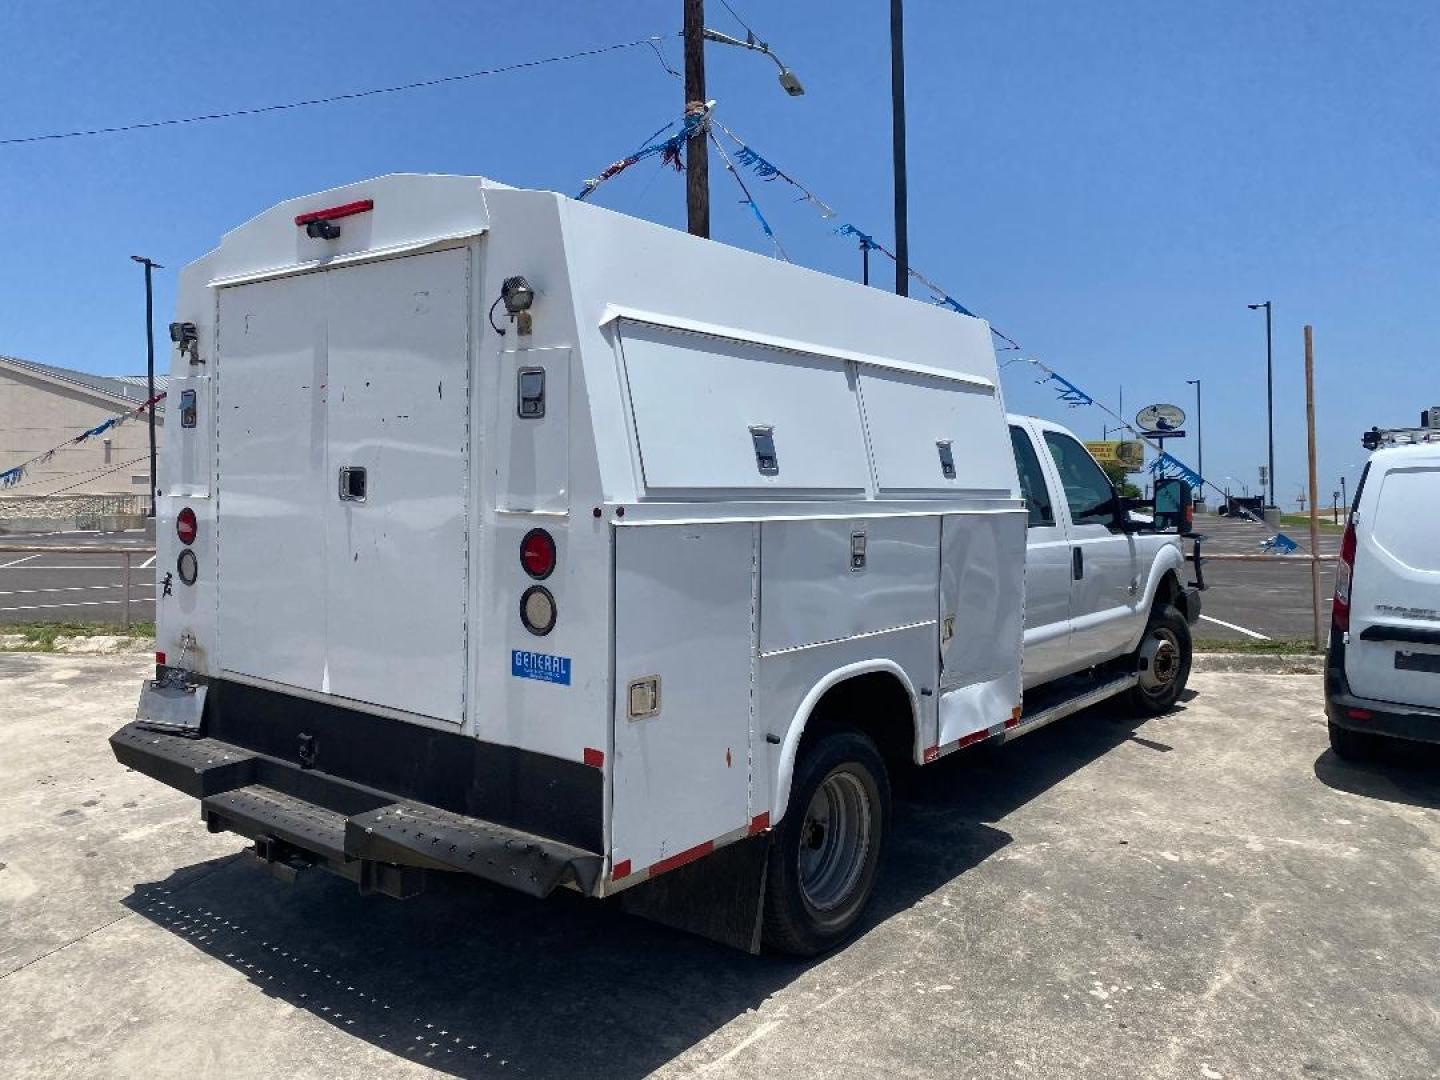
(825, 853)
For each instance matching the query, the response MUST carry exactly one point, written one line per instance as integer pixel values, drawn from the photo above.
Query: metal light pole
(1199, 433)
(1344, 498)
(1269, 392)
(150, 266)
(897, 112)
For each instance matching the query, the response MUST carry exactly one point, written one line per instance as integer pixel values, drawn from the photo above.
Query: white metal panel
(684, 614)
(187, 467)
(398, 337)
(270, 369)
(532, 455)
(1396, 581)
(982, 602)
(908, 416)
(809, 593)
(696, 398)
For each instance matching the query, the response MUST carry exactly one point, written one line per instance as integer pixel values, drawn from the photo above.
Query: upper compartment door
(270, 373)
(398, 409)
(716, 415)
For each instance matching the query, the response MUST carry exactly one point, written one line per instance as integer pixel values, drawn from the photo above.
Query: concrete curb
(1259, 663)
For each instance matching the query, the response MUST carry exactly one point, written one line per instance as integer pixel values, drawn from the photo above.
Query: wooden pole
(1314, 490)
(697, 150)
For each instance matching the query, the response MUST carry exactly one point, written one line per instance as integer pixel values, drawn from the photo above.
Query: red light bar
(350, 209)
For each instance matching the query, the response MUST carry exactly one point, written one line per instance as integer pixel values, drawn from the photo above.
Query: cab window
(1088, 491)
(1032, 479)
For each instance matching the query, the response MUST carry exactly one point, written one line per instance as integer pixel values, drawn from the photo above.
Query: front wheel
(826, 851)
(1162, 662)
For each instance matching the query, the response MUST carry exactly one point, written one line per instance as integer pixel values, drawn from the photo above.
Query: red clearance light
(350, 209)
(537, 554)
(1360, 714)
(186, 527)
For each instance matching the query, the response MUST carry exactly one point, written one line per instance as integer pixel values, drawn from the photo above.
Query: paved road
(1268, 599)
(1209, 894)
(74, 588)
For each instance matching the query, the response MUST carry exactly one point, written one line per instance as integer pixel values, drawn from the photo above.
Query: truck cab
(1096, 579)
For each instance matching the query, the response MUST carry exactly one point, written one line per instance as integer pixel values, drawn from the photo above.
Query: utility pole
(150, 266)
(1199, 433)
(897, 108)
(1314, 493)
(697, 151)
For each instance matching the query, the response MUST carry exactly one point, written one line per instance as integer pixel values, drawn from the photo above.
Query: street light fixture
(1269, 393)
(788, 79)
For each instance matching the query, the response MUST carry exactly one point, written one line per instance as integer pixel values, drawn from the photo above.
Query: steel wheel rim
(834, 840)
(1162, 667)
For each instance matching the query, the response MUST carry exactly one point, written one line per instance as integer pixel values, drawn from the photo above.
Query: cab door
(1104, 572)
(1047, 565)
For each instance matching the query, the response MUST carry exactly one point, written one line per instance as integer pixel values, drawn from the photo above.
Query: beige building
(42, 407)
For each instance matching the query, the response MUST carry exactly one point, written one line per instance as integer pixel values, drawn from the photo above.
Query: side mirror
(1173, 506)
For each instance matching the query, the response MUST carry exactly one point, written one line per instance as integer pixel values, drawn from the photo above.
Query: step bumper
(351, 829)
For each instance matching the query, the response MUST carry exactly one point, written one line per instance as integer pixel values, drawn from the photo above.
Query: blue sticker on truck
(541, 666)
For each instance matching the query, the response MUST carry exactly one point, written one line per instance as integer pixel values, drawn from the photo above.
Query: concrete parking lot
(69, 587)
(1209, 894)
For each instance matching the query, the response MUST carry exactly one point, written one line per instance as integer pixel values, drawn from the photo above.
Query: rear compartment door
(1395, 594)
(270, 412)
(397, 407)
(343, 493)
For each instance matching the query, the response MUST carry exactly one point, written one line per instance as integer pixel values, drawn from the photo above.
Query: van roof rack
(1376, 438)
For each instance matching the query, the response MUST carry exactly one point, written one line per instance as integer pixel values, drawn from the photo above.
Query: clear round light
(187, 567)
(537, 610)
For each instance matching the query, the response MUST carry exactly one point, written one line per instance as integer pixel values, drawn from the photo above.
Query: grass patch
(1252, 646)
(1302, 521)
(40, 637)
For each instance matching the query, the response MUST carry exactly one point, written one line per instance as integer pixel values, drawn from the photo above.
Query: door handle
(1077, 563)
(353, 483)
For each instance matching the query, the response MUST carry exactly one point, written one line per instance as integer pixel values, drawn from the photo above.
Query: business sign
(1160, 419)
(1127, 452)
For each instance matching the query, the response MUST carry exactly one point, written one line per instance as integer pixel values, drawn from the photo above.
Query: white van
(1383, 670)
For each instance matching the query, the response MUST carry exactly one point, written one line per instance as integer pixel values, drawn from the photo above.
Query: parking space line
(148, 563)
(76, 588)
(1238, 629)
(17, 562)
(83, 603)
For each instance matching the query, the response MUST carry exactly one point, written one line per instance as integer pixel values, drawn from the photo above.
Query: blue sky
(1109, 182)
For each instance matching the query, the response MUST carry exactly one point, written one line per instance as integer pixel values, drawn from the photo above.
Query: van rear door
(343, 481)
(1394, 649)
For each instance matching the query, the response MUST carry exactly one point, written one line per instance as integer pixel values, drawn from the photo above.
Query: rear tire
(1353, 745)
(825, 853)
(1162, 661)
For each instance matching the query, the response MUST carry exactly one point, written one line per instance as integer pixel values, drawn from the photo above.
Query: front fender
(1169, 559)
(790, 746)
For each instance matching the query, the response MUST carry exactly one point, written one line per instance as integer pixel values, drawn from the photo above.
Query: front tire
(1162, 662)
(825, 853)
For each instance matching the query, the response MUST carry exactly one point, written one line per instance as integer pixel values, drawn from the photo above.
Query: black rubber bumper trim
(1414, 722)
(257, 795)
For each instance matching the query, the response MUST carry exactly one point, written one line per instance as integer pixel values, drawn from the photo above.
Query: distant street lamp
(1269, 392)
(150, 265)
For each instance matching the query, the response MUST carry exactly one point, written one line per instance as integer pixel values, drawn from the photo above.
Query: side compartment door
(398, 407)
(1047, 566)
(1105, 586)
(981, 601)
(685, 621)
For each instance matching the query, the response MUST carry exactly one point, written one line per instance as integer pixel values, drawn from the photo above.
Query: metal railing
(127, 555)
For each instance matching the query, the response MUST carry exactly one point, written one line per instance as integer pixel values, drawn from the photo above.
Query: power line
(736, 16)
(351, 96)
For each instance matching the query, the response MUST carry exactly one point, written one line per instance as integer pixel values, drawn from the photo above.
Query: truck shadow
(1402, 772)
(476, 981)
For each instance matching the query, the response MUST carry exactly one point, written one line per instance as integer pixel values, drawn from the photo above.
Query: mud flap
(720, 897)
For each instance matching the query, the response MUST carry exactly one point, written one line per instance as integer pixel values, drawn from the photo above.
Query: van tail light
(1344, 579)
(537, 554)
(186, 526)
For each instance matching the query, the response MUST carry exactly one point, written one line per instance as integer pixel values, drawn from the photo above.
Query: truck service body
(510, 536)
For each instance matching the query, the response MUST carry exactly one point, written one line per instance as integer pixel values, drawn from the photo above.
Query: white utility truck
(505, 535)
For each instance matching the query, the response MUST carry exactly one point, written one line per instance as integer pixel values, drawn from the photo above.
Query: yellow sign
(1128, 452)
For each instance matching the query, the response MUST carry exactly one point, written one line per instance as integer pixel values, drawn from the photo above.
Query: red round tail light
(537, 554)
(186, 527)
